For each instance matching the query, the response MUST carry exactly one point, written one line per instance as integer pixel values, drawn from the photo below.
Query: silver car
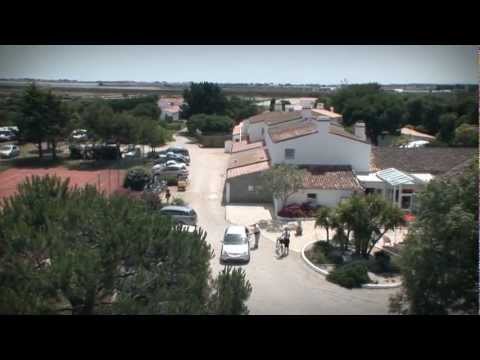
(9, 151)
(172, 170)
(235, 245)
(181, 214)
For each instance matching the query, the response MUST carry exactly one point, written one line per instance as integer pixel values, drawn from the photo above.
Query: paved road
(287, 286)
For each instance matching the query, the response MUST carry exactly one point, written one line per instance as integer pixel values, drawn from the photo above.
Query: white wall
(174, 115)
(328, 198)
(254, 131)
(322, 148)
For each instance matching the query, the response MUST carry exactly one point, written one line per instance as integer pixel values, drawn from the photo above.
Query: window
(289, 154)
(312, 196)
(263, 131)
(406, 202)
(251, 188)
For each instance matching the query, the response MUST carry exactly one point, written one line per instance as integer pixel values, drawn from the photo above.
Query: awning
(395, 177)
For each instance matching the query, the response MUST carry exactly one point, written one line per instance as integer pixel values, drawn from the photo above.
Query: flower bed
(350, 272)
(294, 211)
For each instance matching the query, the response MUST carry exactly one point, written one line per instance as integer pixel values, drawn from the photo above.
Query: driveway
(285, 287)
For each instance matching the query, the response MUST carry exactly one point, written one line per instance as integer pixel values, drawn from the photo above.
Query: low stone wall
(214, 140)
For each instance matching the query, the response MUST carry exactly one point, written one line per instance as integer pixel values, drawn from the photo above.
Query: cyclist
(286, 239)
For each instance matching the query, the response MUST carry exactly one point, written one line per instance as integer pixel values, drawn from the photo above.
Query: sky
(299, 64)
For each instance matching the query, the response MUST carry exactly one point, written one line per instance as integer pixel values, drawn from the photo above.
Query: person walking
(167, 196)
(286, 240)
(256, 233)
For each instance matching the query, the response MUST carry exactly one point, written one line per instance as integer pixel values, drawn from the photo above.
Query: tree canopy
(203, 98)
(436, 114)
(282, 181)
(43, 118)
(208, 98)
(75, 251)
(209, 124)
(368, 217)
(439, 263)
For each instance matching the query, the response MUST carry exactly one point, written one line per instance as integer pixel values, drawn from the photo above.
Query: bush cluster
(352, 275)
(136, 179)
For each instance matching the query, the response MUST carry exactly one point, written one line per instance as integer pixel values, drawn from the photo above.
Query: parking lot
(286, 286)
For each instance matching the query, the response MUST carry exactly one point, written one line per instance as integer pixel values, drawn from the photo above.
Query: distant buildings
(170, 108)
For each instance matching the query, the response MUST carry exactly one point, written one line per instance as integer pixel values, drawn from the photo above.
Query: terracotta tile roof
(243, 145)
(458, 170)
(165, 102)
(433, 160)
(325, 112)
(330, 177)
(339, 130)
(248, 169)
(293, 131)
(247, 157)
(172, 109)
(411, 132)
(275, 117)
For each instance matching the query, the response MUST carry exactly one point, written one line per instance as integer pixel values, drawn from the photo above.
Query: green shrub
(382, 261)
(152, 201)
(317, 256)
(136, 179)
(171, 180)
(178, 201)
(332, 255)
(335, 256)
(323, 246)
(352, 275)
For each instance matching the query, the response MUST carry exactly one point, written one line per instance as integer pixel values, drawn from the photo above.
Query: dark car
(181, 214)
(7, 135)
(180, 150)
(178, 158)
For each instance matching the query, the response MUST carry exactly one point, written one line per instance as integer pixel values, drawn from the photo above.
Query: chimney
(332, 109)
(359, 129)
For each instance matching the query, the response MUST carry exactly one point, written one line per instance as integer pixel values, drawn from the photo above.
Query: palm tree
(325, 218)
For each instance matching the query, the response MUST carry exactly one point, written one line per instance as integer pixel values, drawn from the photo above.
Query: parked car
(175, 163)
(7, 135)
(177, 157)
(180, 150)
(132, 151)
(415, 144)
(172, 170)
(181, 214)
(9, 151)
(80, 134)
(153, 155)
(235, 244)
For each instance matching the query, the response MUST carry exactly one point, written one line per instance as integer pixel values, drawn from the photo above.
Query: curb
(309, 263)
(294, 219)
(325, 272)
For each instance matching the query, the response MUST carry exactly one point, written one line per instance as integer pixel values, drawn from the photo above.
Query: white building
(337, 162)
(170, 108)
(311, 139)
(317, 141)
